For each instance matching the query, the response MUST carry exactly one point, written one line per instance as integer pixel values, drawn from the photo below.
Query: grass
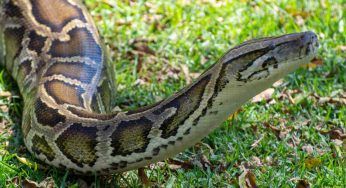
(291, 129)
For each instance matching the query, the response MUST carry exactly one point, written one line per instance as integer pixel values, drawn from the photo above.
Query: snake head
(300, 46)
(271, 58)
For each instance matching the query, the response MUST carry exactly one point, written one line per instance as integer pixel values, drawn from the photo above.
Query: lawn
(295, 137)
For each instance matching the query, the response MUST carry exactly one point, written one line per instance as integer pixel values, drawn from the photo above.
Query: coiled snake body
(53, 50)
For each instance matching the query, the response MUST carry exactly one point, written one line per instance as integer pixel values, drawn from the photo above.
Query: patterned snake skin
(53, 50)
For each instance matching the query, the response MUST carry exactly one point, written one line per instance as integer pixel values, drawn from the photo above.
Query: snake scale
(53, 51)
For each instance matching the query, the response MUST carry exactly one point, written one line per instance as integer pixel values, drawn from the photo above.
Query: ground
(294, 135)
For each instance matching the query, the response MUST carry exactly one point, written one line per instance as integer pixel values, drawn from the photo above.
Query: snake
(54, 52)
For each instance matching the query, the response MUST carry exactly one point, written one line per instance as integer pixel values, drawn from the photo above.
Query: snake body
(52, 49)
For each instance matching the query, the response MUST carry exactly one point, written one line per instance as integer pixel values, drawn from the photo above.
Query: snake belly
(53, 51)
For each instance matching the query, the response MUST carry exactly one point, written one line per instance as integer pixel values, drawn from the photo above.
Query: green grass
(195, 34)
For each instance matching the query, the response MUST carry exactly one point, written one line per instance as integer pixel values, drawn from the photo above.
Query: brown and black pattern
(55, 13)
(81, 43)
(74, 70)
(12, 10)
(46, 115)
(144, 108)
(131, 137)
(37, 42)
(65, 93)
(243, 60)
(156, 151)
(271, 61)
(185, 105)
(25, 77)
(40, 145)
(25, 68)
(119, 165)
(265, 68)
(90, 115)
(78, 144)
(68, 89)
